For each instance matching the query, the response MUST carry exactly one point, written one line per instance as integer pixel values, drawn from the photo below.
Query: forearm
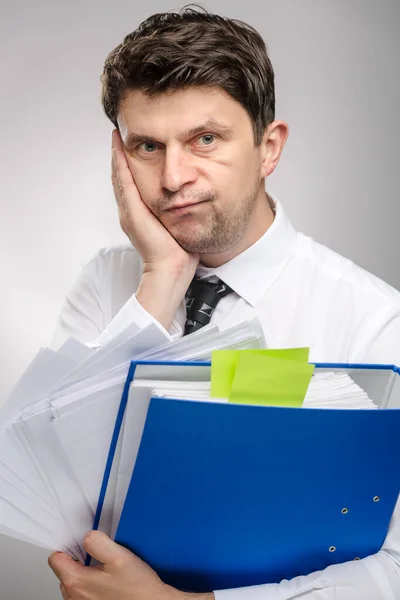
(373, 578)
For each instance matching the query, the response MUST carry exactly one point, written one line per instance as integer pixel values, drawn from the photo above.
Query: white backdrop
(337, 84)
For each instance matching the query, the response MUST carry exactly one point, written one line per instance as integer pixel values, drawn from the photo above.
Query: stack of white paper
(57, 425)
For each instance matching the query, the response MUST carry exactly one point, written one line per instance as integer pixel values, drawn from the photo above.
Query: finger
(114, 180)
(102, 548)
(123, 213)
(63, 565)
(128, 197)
(118, 149)
(123, 173)
(125, 190)
(117, 142)
(125, 179)
(116, 139)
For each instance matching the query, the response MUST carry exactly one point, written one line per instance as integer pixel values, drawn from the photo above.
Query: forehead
(172, 113)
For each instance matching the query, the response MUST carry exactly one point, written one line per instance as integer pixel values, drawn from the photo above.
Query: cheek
(242, 176)
(244, 163)
(233, 180)
(250, 172)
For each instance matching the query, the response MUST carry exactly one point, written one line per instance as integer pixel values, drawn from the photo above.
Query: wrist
(190, 596)
(160, 292)
(174, 594)
(182, 267)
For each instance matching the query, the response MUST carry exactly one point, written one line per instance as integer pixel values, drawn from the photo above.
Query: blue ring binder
(197, 582)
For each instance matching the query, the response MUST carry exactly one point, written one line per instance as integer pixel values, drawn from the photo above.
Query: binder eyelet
(357, 558)
(344, 511)
(376, 498)
(332, 549)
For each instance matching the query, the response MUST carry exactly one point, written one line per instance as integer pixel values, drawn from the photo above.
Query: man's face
(194, 146)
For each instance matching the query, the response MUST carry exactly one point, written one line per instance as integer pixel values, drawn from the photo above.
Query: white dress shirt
(304, 295)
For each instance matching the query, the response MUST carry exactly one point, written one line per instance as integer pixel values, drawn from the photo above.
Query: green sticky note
(270, 381)
(223, 365)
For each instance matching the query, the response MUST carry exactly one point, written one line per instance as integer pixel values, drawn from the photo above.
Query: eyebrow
(136, 138)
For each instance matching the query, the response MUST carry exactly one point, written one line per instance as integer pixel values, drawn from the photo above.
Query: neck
(261, 220)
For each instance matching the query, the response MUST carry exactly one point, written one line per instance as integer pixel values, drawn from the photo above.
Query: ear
(272, 145)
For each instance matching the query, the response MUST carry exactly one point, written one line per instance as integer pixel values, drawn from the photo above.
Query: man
(191, 96)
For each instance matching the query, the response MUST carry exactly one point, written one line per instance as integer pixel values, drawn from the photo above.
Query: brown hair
(193, 47)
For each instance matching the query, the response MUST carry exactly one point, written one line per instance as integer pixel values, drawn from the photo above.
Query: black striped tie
(201, 299)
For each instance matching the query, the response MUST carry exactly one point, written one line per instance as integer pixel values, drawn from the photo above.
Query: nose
(178, 169)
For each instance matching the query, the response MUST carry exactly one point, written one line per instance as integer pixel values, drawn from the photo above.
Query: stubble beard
(221, 232)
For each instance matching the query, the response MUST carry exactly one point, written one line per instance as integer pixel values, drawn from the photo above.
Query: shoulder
(113, 253)
(351, 309)
(343, 275)
(114, 271)
(112, 258)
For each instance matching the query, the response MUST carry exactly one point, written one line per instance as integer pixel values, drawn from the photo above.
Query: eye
(208, 137)
(148, 147)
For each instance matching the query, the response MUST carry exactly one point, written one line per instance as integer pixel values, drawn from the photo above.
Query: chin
(200, 246)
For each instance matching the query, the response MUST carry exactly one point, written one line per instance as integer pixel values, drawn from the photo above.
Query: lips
(186, 205)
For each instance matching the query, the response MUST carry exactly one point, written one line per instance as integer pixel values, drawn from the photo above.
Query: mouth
(182, 208)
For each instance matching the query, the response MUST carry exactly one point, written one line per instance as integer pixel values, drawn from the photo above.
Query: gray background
(337, 84)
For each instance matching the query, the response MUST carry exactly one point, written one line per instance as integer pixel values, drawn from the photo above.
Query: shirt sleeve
(379, 341)
(384, 344)
(83, 315)
(375, 577)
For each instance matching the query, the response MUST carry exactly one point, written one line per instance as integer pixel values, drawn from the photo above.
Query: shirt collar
(252, 272)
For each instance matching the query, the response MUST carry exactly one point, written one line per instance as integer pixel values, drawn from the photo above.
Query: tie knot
(202, 298)
(199, 286)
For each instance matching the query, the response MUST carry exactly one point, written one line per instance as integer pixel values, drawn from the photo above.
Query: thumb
(63, 565)
(101, 547)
